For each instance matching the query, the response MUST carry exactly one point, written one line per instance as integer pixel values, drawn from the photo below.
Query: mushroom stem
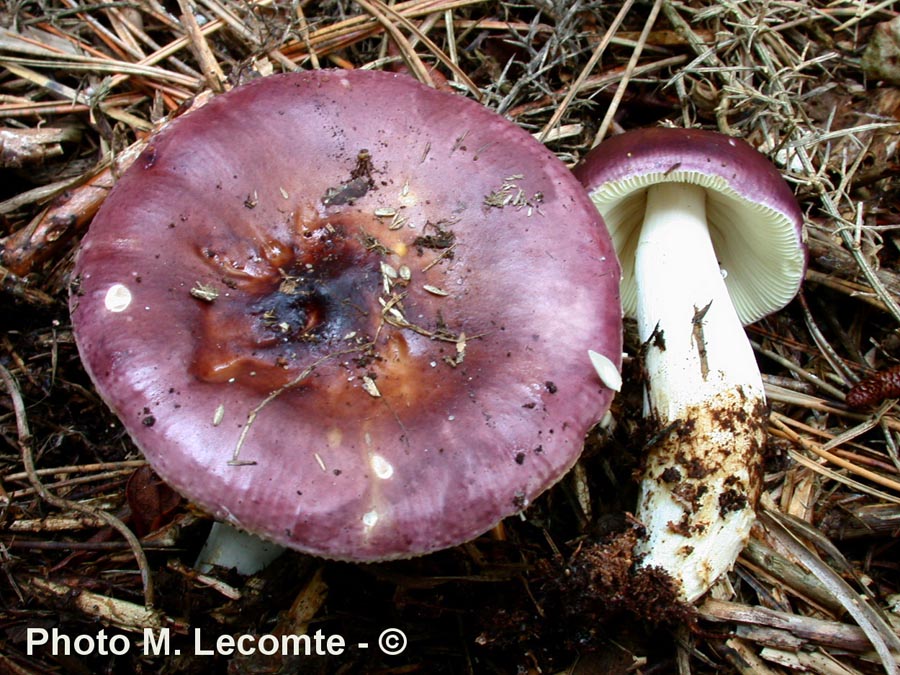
(704, 394)
(228, 547)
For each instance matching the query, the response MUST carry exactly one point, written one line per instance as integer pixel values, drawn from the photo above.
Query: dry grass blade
(409, 54)
(768, 563)
(215, 78)
(831, 475)
(66, 92)
(588, 68)
(782, 427)
(432, 47)
(629, 70)
(877, 630)
(110, 611)
(809, 629)
(90, 64)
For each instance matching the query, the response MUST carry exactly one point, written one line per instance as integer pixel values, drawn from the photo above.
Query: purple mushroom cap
(755, 223)
(350, 313)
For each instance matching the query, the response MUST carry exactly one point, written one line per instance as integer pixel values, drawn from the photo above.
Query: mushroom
(710, 238)
(348, 313)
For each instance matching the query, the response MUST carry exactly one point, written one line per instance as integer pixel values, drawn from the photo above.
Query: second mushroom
(710, 238)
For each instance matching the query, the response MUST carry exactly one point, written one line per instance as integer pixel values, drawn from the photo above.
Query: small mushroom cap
(754, 220)
(349, 313)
